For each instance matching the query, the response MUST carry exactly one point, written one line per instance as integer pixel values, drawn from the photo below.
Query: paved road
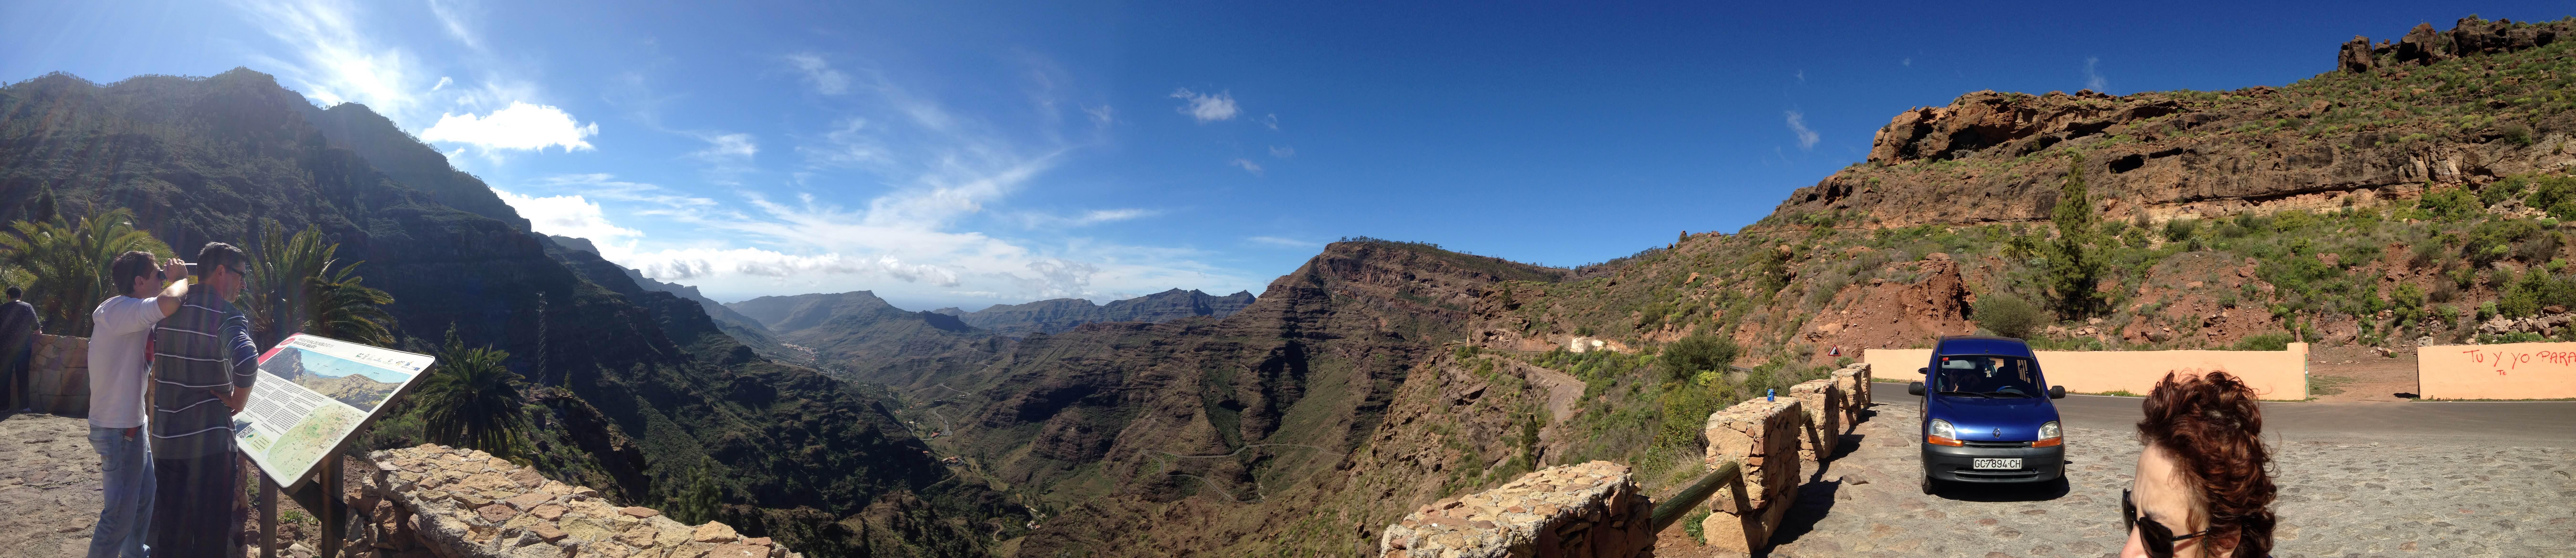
(2549, 424)
(2420, 495)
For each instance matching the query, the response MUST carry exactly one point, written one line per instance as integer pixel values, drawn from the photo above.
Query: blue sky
(971, 153)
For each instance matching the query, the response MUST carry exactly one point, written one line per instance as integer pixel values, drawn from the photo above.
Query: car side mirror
(1927, 370)
(2056, 392)
(1915, 388)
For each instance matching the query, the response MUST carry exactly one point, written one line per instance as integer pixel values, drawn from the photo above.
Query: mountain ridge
(1058, 315)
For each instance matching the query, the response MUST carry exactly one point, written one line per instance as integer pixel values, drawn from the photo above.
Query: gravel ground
(2337, 499)
(49, 486)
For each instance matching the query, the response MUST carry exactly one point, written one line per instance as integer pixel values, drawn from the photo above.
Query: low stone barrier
(1764, 436)
(1591, 510)
(1854, 380)
(58, 377)
(1823, 432)
(460, 503)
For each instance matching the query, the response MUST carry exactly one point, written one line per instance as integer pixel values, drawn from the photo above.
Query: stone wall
(1587, 510)
(460, 503)
(1854, 380)
(57, 381)
(1764, 436)
(1825, 419)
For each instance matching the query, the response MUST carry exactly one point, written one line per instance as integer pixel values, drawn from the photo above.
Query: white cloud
(1907, 62)
(1798, 127)
(1101, 116)
(453, 15)
(2093, 79)
(728, 147)
(1283, 242)
(826, 80)
(519, 126)
(1207, 108)
(1248, 166)
(900, 195)
(443, 82)
(338, 65)
(573, 216)
(1282, 152)
(1271, 120)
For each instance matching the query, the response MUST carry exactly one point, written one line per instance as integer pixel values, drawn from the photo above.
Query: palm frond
(471, 400)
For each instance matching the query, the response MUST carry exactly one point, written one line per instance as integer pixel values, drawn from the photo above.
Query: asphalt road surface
(2517, 424)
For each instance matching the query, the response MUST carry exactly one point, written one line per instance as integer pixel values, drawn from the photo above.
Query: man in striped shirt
(204, 362)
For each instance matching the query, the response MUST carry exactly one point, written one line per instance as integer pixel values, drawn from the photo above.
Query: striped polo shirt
(200, 350)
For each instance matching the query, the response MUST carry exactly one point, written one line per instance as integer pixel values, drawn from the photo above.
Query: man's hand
(174, 270)
(238, 399)
(175, 290)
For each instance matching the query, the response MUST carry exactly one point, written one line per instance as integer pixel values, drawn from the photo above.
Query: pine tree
(2074, 262)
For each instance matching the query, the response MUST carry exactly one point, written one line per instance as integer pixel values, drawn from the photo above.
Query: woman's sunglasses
(2158, 538)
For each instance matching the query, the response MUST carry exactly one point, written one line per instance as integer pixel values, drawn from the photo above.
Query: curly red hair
(2212, 425)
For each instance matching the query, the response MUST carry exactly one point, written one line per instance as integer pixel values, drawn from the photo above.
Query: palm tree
(470, 399)
(66, 264)
(294, 289)
(344, 308)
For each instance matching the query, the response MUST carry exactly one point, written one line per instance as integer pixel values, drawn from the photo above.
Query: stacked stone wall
(57, 381)
(1591, 510)
(1825, 419)
(1854, 380)
(1764, 436)
(460, 503)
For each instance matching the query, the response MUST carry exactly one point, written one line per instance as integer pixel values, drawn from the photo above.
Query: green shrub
(2263, 342)
(1686, 358)
(2007, 315)
(2517, 133)
(2449, 205)
(2509, 188)
(2493, 239)
(2554, 194)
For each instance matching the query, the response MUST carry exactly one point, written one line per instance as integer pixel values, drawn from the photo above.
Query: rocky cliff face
(2436, 110)
(1057, 315)
(1107, 421)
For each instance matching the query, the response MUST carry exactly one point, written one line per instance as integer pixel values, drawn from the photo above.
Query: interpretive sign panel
(312, 392)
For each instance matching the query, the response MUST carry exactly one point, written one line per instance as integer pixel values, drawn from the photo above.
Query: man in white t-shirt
(118, 364)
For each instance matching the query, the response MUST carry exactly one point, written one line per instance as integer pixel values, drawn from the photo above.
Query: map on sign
(311, 393)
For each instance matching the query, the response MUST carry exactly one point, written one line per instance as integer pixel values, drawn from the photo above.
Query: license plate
(1997, 463)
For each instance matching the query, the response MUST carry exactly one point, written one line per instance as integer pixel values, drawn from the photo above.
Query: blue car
(1987, 416)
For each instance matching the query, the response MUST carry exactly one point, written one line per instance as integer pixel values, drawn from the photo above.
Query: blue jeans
(125, 464)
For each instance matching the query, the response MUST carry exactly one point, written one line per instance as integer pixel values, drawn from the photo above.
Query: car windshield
(1986, 376)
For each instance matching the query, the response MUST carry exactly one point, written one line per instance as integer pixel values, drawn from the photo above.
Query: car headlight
(1942, 428)
(2048, 436)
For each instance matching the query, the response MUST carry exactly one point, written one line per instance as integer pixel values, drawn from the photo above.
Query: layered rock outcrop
(2386, 124)
(461, 503)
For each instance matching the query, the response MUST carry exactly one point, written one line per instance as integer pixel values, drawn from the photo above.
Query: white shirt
(117, 363)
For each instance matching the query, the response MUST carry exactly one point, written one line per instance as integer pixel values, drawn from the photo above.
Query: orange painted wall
(2507, 371)
(2274, 375)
